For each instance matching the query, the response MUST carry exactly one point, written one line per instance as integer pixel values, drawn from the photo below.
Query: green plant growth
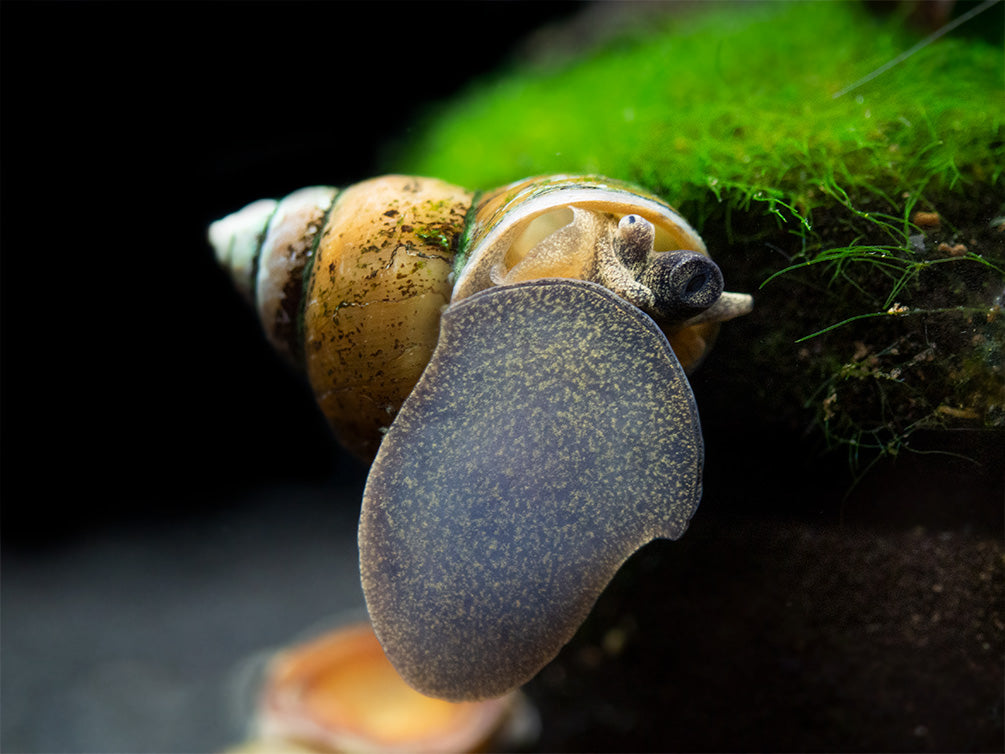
(867, 219)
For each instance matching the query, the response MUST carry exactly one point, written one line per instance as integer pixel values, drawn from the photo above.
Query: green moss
(875, 323)
(736, 101)
(436, 235)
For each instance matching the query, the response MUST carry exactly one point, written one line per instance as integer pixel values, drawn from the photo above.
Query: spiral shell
(350, 285)
(540, 426)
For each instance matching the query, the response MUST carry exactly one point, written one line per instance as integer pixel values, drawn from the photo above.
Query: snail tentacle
(633, 241)
(729, 306)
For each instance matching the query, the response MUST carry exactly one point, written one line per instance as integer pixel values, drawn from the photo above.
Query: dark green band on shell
(297, 346)
(464, 244)
(256, 258)
(552, 435)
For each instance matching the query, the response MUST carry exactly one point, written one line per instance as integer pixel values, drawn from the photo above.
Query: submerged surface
(747, 634)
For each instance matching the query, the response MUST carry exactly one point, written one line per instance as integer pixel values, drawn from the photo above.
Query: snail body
(514, 362)
(349, 285)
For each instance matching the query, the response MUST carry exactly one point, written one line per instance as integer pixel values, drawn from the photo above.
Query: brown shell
(352, 289)
(380, 279)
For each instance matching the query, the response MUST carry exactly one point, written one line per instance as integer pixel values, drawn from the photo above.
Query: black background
(135, 383)
(172, 501)
(146, 426)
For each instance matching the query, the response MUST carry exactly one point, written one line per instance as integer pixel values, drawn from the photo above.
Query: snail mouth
(683, 283)
(695, 284)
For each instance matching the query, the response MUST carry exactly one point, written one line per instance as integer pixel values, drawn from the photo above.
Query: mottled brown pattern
(553, 434)
(373, 305)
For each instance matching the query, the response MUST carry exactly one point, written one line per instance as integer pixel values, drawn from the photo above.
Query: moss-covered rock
(861, 203)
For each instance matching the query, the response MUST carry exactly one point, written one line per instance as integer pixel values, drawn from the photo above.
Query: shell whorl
(379, 282)
(267, 247)
(236, 240)
(349, 285)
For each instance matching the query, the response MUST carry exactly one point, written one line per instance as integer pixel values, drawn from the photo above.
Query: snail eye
(633, 242)
(683, 283)
(552, 435)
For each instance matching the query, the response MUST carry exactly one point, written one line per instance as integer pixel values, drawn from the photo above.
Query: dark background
(132, 372)
(172, 503)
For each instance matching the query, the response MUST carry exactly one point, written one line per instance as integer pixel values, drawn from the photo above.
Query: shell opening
(617, 250)
(556, 244)
(510, 222)
(536, 231)
(641, 235)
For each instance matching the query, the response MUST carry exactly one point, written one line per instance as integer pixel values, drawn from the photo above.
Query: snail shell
(527, 348)
(349, 285)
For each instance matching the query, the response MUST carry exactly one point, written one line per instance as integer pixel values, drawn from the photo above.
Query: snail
(514, 362)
